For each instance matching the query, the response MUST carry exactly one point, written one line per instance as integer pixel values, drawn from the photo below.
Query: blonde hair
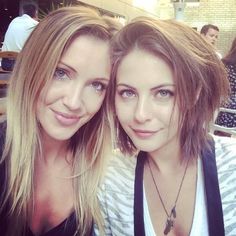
(200, 77)
(34, 69)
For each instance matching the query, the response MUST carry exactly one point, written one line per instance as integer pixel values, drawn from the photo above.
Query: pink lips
(66, 119)
(144, 133)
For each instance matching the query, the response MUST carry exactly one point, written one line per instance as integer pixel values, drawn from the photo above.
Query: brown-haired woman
(166, 84)
(52, 144)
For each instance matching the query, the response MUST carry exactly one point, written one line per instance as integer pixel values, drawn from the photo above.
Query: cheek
(174, 119)
(41, 102)
(50, 94)
(168, 114)
(93, 102)
(47, 97)
(124, 111)
(41, 112)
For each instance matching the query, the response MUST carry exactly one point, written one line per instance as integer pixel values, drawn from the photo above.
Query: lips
(144, 133)
(66, 119)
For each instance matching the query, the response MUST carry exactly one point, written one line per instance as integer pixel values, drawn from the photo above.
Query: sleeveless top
(66, 228)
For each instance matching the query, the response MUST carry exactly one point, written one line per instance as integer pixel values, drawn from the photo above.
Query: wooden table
(2, 106)
(4, 81)
(4, 78)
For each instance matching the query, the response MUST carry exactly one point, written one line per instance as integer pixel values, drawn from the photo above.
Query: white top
(200, 210)
(17, 33)
(116, 193)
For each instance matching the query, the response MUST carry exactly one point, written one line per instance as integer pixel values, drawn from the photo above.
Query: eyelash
(123, 93)
(101, 86)
(167, 93)
(160, 94)
(60, 74)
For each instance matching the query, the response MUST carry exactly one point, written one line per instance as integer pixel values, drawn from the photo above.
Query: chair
(8, 58)
(2, 106)
(11, 57)
(228, 130)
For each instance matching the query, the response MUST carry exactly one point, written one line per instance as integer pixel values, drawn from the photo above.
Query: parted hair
(199, 76)
(32, 73)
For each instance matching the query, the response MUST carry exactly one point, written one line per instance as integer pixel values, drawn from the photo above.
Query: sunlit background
(195, 13)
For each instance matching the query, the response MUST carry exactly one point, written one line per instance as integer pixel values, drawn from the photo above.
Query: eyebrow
(101, 79)
(71, 68)
(152, 89)
(60, 63)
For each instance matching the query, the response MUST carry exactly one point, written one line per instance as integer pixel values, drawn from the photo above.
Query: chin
(146, 147)
(62, 136)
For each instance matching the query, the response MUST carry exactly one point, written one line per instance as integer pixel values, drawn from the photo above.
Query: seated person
(17, 33)
(210, 33)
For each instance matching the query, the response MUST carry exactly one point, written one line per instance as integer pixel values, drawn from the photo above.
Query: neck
(54, 150)
(168, 159)
(35, 18)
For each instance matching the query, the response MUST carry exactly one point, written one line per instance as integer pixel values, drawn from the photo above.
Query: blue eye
(127, 93)
(60, 74)
(98, 86)
(164, 93)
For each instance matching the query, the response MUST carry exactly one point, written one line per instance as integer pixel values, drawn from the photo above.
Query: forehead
(88, 54)
(212, 31)
(87, 44)
(140, 68)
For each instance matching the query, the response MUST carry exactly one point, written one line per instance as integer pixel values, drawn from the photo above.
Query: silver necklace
(172, 215)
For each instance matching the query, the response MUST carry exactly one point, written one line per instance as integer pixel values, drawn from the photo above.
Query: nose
(143, 110)
(73, 98)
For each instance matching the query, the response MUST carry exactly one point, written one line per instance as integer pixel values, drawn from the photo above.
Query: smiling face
(77, 90)
(145, 101)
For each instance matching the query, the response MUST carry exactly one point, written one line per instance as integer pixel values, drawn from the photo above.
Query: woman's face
(145, 98)
(77, 89)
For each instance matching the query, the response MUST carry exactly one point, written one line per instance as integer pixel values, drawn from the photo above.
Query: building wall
(218, 12)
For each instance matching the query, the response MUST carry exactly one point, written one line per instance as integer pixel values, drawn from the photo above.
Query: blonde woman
(52, 144)
(165, 86)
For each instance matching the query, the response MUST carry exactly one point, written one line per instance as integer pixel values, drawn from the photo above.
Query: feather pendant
(169, 225)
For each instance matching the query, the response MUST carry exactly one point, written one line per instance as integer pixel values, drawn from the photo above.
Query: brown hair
(230, 58)
(199, 76)
(205, 28)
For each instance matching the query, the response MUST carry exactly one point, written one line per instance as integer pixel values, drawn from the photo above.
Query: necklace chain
(172, 215)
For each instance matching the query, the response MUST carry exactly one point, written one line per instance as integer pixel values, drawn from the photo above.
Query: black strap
(214, 204)
(138, 196)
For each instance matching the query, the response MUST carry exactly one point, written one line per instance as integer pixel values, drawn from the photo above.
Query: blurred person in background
(20, 28)
(210, 33)
(18, 32)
